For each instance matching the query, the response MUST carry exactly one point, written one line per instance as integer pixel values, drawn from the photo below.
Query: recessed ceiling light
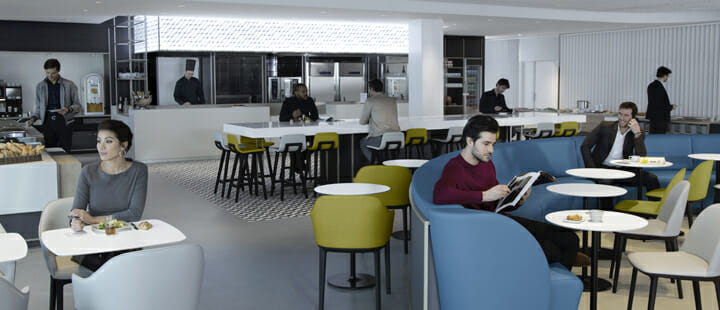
(181, 5)
(446, 26)
(98, 2)
(85, 10)
(490, 19)
(520, 34)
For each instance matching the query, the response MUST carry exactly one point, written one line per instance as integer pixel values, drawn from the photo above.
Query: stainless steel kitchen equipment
(280, 88)
(336, 80)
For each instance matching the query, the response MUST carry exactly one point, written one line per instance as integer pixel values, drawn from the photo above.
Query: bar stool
(566, 129)
(415, 138)
(322, 143)
(451, 141)
(224, 159)
(260, 143)
(293, 145)
(390, 141)
(243, 153)
(543, 130)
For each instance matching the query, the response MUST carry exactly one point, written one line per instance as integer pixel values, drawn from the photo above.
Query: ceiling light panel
(173, 33)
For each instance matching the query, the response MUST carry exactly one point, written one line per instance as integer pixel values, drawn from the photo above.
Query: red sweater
(463, 183)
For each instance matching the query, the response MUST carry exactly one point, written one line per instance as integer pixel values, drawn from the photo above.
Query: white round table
(353, 280)
(407, 163)
(13, 247)
(590, 191)
(351, 189)
(600, 173)
(633, 164)
(716, 158)
(612, 222)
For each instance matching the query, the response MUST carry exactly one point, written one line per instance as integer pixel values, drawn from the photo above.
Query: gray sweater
(68, 99)
(122, 195)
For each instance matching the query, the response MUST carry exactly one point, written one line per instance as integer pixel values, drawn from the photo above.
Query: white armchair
(158, 278)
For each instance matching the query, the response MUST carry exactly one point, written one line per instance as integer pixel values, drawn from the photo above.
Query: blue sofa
(482, 259)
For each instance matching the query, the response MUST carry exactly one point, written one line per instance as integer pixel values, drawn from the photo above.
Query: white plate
(574, 222)
(95, 228)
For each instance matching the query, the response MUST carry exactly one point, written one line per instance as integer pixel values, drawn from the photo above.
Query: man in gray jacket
(56, 104)
(380, 114)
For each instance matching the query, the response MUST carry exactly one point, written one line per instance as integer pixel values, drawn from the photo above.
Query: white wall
(26, 68)
(501, 61)
(538, 82)
(611, 67)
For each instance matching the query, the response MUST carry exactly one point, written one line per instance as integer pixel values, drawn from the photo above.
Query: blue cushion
(553, 155)
(542, 201)
(479, 268)
(675, 148)
(567, 289)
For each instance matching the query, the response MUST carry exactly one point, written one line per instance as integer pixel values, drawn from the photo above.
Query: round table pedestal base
(400, 235)
(604, 253)
(344, 280)
(603, 285)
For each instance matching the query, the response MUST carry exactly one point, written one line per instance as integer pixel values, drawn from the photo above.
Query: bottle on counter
(120, 107)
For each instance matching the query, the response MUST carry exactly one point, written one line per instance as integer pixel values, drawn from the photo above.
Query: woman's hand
(86, 217)
(76, 224)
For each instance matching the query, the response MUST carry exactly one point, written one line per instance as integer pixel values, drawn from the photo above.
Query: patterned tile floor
(198, 176)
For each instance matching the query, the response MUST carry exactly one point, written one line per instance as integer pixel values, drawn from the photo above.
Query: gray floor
(273, 264)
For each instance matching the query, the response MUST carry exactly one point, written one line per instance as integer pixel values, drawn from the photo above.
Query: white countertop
(12, 246)
(352, 126)
(407, 163)
(65, 242)
(612, 221)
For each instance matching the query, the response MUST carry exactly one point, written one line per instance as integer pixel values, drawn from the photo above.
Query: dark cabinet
(453, 46)
(464, 46)
(238, 79)
(474, 47)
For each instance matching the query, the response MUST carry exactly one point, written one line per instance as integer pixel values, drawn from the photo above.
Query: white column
(425, 67)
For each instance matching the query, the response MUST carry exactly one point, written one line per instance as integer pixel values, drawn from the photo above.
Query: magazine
(519, 185)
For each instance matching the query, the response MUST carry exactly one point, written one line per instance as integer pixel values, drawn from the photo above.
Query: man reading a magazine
(469, 179)
(618, 140)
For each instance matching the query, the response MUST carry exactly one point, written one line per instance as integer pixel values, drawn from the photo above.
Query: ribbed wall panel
(608, 68)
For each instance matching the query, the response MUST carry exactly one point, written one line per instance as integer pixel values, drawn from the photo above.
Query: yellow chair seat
(639, 206)
(351, 222)
(660, 192)
(244, 148)
(566, 129)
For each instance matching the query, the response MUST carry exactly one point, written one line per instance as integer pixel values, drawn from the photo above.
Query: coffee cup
(634, 158)
(596, 216)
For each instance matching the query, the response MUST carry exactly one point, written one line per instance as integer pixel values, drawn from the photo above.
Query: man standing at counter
(659, 107)
(493, 101)
(188, 89)
(618, 140)
(56, 104)
(380, 114)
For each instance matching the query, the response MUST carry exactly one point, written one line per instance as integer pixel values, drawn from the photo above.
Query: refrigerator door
(322, 82)
(396, 86)
(351, 80)
(473, 86)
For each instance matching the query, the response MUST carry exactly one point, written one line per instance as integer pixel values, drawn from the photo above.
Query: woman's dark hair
(662, 71)
(630, 105)
(121, 131)
(52, 63)
(478, 124)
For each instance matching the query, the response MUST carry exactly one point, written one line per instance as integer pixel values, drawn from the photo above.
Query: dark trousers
(657, 127)
(56, 133)
(559, 244)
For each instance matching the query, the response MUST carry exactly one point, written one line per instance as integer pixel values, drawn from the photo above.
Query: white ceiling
(461, 17)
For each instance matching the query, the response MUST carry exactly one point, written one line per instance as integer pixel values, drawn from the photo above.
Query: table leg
(717, 181)
(594, 271)
(353, 280)
(639, 174)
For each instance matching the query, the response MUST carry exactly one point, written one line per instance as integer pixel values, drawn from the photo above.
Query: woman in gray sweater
(115, 187)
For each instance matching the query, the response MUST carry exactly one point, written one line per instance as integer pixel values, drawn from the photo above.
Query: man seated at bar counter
(469, 179)
(298, 105)
(618, 140)
(380, 114)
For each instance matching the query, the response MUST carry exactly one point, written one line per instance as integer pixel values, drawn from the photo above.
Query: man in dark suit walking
(659, 107)
(618, 140)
